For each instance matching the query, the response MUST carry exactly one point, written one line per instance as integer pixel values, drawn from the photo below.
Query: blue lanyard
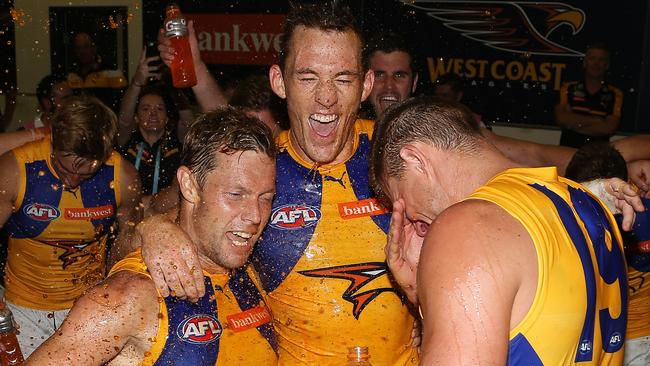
(156, 172)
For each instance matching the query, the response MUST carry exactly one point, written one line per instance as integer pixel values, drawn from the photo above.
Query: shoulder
(616, 91)
(364, 126)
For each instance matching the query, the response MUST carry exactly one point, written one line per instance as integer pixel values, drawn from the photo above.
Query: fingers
(144, 54)
(159, 280)
(628, 217)
(187, 288)
(394, 232)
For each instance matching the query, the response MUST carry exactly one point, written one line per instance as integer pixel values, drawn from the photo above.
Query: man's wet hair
(596, 160)
(45, 86)
(86, 127)
(226, 130)
(444, 125)
(326, 16)
(387, 42)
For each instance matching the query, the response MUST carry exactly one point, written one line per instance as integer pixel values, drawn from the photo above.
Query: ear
(368, 82)
(415, 83)
(413, 157)
(188, 185)
(277, 81)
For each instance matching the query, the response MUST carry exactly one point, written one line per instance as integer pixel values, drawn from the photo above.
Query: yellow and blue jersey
(229, 325)
(57, 237)
(321, 262)
(579, 312)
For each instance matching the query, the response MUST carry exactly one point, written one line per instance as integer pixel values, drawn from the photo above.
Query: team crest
(199, 329)
(358, 275)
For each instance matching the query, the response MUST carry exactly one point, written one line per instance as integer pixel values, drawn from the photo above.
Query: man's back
(578, 313)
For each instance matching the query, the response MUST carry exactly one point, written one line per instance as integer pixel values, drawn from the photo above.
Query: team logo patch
(367, 207)
(199, 329)
(290, 217)
(41, 212)
(88, 213)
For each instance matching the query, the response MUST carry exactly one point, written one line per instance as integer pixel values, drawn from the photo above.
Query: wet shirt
(606, 101)
(57, 237)
(578, 315)
(157, 163)
(229, 325)
(321, 261)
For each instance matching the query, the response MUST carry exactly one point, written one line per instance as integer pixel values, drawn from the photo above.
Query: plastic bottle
(182, 67)
(358, 356)
(12, 355)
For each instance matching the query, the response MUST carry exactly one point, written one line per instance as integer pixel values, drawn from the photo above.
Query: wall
(33, 47)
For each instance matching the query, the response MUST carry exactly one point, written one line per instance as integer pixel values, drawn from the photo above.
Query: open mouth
(387, 100)
(240, 239)
(323, 124)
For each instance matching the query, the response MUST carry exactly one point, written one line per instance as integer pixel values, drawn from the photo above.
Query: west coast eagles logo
(513, 26)
(358, 275)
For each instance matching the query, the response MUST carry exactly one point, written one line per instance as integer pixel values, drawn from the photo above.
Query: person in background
(51, 92)
(396, 76)
(590, 109)
(89, 74)
(255, 97)
(592, 163)
(147, 129)
(449, 87)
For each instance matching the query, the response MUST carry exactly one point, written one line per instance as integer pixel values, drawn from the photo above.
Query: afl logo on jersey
(291, 217)
(41, 212)
(199, 329)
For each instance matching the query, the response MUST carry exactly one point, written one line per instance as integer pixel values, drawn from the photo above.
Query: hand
(416, 334)
(171, 258)
(167, 52)
(144, 70)
(403, 251)
(639, 174)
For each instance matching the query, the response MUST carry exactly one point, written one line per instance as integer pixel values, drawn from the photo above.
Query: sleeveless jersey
(578, 315)
(321, 261)
(638, 322)
(229, 325)
(57, 237)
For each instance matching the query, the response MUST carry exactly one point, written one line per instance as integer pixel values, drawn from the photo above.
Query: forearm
(634, 147)
(11, 140)
(127, 112)
(208, 93)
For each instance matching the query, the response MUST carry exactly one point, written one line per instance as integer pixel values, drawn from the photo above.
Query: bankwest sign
(252, 39)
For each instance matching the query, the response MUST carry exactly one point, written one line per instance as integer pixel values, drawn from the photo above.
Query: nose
(391, 84)
(252, 213)
(326, 94)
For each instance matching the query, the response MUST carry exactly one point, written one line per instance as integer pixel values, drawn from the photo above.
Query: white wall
(33, 47)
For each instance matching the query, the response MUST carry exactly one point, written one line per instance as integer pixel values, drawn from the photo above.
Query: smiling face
(234, 207)
(151, 114)
(394, 79)
(596, 63)
(324, 83)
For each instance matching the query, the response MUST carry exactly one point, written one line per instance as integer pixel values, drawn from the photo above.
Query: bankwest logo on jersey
(41, 212)
(88, 213)
(354, 209)
(202, 328)
(291, 217)
(250, 318)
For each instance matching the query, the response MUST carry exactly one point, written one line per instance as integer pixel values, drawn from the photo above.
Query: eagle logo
(513, 26)
(358, 275)
(73, 250)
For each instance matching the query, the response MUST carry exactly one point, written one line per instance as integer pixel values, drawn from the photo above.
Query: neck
(186, 221)
(342, 156)
(151, 137)
(593, 83)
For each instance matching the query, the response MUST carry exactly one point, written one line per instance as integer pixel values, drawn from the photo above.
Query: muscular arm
(8, 185)
(531, 154)
(634, 147)
(129, 213)
(120, 311)
(470, 301)
(11, 140)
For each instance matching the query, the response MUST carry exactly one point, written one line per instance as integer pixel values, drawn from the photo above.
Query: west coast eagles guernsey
(57, 237)
(321, 261)
(229, 325)
(578, 315)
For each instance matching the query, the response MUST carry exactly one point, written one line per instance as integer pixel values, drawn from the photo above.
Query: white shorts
(35, 326)
(637, 352)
